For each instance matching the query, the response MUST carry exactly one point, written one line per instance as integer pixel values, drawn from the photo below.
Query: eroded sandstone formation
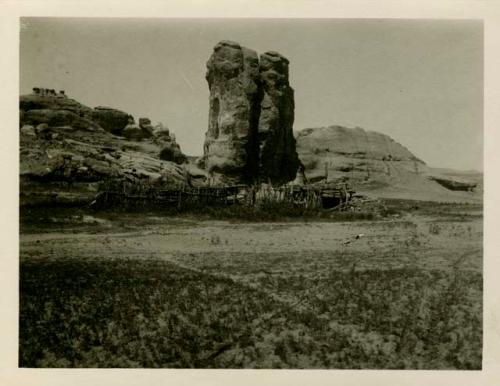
(170, 149)
(374, 163)
(249, 135)
(111, 120)
(337, 153)
(68, 149)
(146, 126)
(230, 143)
(278, 158)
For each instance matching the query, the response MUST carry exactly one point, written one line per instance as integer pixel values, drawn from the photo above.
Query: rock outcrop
(133, 132)
(230, 149)
(454, 184)
(249, 133)
(363, 157)
(138, 132)
(37, 101)
(111, 120)
(58, 118)
(146, 127)
(278, 157)
(373, 163)
(352, 143)
(170, 149)
(67, 149)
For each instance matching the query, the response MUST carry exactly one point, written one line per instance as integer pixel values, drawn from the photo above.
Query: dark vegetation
(104, 312)
(32, 217)
(444, 211)
(148, 313)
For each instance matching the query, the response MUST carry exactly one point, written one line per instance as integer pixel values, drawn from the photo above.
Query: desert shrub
(148, 313)
(434, 229)
(442, 210)
(353, 215)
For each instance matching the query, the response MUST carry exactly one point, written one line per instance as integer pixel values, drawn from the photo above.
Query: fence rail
(309, 196)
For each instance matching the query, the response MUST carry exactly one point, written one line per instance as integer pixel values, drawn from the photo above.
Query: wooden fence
(122, 193)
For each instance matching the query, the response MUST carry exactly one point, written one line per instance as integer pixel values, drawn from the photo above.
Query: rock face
(353, 143)
(67, 149)
(230, 148)
(278, 158)
(249, 133)
(337, 153)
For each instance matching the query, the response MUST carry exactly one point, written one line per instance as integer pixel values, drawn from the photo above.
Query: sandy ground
(242, 248)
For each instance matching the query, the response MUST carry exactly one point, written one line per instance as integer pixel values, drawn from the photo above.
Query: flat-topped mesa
(249, 136)
(230, 151)
(278, 158)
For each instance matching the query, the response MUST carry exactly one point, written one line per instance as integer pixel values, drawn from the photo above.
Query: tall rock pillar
(230, 149)
(250, 128)
(278, 158)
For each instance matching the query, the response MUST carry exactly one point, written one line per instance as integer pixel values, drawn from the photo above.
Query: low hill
(377, 165)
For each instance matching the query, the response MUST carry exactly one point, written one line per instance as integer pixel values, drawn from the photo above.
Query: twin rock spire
(250, 130)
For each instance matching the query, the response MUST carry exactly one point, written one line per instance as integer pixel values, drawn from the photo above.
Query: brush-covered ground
(142, 290)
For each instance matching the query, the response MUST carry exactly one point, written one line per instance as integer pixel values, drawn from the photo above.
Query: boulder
(146, 127)
(111, 120)
(133, 132)
(161, 131)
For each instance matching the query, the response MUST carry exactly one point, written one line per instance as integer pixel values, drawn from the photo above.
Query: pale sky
(418, 81)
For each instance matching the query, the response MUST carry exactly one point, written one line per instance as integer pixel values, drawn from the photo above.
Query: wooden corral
(116, 193)
(123, 193)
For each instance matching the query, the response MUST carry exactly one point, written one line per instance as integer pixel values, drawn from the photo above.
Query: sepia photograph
(251, 193)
